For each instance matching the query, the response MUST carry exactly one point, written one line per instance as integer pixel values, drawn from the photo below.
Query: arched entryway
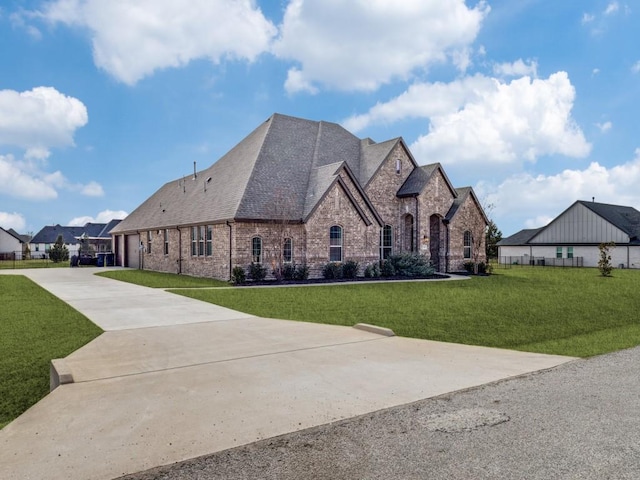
(435, 222)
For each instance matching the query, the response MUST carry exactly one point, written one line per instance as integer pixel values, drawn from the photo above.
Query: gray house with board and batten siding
(573, 238)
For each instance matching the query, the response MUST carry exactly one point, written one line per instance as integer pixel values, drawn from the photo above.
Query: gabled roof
(462, 194)
(286, 161)
(17, 236)
(49, 234)
(94, 231)
(418, 179)
(519, 238)
(626, 219)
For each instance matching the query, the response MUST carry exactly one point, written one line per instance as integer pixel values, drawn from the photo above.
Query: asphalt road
(580, 420)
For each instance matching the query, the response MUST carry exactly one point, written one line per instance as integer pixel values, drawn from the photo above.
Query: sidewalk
(173, 378)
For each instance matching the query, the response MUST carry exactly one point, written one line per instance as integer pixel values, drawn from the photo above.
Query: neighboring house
(303, 192)
(13, 245)
(574, 236)
(95, 234)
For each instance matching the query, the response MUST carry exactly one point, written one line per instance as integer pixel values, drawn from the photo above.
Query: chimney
(195, 175)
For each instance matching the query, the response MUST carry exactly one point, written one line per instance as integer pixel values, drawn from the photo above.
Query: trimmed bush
(237, 275)
(350, 269)
(257, 272)
(289, 271)
(411, 265)
(332, 271)
(301, 272)
(388, 270)
(372, 271)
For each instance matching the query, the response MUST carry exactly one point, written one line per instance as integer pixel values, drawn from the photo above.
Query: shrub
(469, 266)
(604, 263)
(350, 269)
(257, 272)
(411, 265)
(388, 270)
(372, 271)
(332, 271)
(301, 272)
(289, 271)
(238, 275)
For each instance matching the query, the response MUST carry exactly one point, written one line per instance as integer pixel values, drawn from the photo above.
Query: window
(194, 241)
(287, 250)
(386, 242)
(468, 239)
(558, 252)
(256, 250)
(201, 240)
(398, 166)
(335, 244)
(209, 240)
(166, 241)
(569, 252)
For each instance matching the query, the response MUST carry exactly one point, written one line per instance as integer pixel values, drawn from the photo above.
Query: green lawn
(35, 327)
(549, 310)
(161, 280)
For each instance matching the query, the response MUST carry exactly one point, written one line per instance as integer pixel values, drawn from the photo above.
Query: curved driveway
(173, 378)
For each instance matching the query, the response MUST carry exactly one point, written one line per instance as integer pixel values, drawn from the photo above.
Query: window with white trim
(468, 240)
(256, 250)
(335, 244)
(386, 242)
(209, 251)
(201, 240)
(194, 241)
(287, 250)
(166, 241)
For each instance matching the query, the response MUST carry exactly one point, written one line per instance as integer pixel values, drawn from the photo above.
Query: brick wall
(468, 217)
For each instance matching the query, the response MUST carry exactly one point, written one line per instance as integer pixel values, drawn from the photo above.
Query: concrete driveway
(173, 378)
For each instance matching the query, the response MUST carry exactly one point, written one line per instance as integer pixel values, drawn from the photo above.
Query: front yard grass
(35, 327)
(560, 311)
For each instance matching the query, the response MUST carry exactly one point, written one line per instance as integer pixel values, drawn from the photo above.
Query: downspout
(230, 256)
(140, 253)
(179, 249)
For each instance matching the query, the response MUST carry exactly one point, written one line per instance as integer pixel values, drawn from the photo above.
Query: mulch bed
(321, 281)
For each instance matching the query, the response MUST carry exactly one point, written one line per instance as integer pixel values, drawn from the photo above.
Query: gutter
(180, 247)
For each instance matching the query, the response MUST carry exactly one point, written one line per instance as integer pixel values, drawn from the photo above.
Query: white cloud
(13, 220)
(39, 119)
(92, 189)
(538, 199)
(604, 127)
(103, 217)
(370, 43)
(636, 67)
(587, 18)
(479, 122)
(16, 180)
(518, 68)
(131, 40)
(612, 8)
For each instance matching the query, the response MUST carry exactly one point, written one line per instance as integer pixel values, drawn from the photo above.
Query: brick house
(303, 192)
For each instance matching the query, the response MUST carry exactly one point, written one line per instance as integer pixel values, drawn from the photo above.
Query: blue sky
(533, 103)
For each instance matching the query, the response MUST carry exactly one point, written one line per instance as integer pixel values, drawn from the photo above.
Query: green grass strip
(35, 327)
(161, 280)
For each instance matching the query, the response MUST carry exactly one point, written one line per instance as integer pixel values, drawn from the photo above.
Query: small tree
(604, 263)
(494, 235)
(59, 252)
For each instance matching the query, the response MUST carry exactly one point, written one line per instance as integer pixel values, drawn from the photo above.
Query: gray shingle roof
(417, 180)
(520, 238)
(284, 163)
(626, 219)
